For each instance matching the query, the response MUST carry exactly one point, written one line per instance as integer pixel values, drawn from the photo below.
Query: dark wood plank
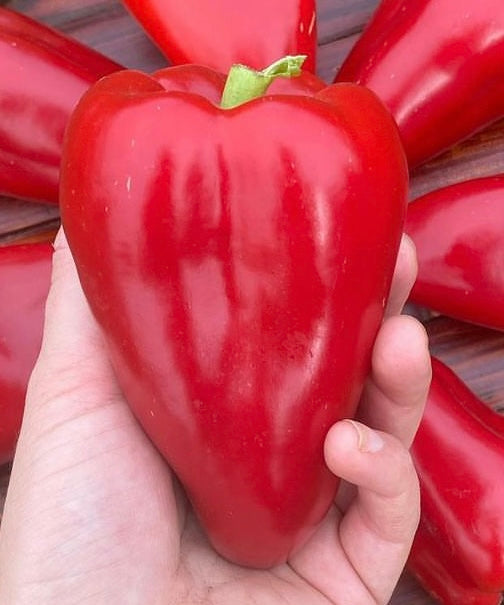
(18, 218)
(475, 354)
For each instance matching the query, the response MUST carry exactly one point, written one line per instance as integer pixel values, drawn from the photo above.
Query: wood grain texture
(476, 354)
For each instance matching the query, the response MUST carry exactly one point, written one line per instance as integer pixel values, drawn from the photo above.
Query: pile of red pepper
(438, 69)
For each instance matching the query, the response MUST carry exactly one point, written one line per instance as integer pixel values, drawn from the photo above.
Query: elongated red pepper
(459, 235)
(437, 65)
(240, 277)
(24, 283)
(42, 76)
(441, 578)
(458, 552)
(220, 33)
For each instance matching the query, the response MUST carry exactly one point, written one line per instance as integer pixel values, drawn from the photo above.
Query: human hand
(94, 515)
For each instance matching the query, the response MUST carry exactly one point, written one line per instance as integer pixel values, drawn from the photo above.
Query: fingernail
(368, 441)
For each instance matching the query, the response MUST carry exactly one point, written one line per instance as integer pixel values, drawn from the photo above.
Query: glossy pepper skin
(437, 65)
(459, 235)
(42, 76)
(220, 33)
(24, 283)
(458, 552)
(240, 278)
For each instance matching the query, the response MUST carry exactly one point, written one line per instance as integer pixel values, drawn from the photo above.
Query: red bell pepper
(240, 278)
(24, 283)
(459, 235)
(458, 552)
(220, 33)
(437, 65)
(43, 75)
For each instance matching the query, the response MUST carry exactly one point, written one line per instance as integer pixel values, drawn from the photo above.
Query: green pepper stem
(244, 83)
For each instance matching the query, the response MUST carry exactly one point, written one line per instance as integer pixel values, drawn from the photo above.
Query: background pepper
(458, 552)
(441, 578)
(42, 76)
(437, 65)
(24, 283)
(459, 236)
(220, 33)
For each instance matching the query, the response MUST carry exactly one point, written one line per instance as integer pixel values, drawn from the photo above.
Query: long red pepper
(24, 283)
(437, 65)
(220, 33)
(42, 76)
(439, 576)
(459, 235)
(458, 552)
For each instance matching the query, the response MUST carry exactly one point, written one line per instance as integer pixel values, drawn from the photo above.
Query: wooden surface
(477, 355)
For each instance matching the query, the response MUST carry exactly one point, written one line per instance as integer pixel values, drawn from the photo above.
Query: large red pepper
(459, 236)
(458, 552)
(24, 283)
(42, 76)
(437, 65)
(220, 33)
(243, 264)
